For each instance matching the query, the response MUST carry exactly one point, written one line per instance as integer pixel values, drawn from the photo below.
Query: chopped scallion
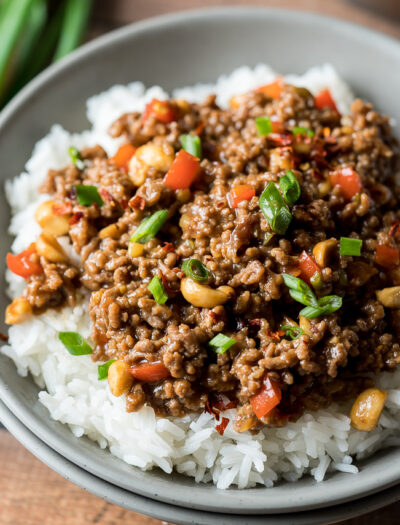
(103, 369)
(292, 331)
(88, 195)
(349, 246)
(290, 187)
(76, 158)
(275, 209)
(157, 289)
(74, 343)
(300, 130)
(191, 144)
(195, 269)
(149, 227)
(301, 292)
(221, 343)
(263, 125)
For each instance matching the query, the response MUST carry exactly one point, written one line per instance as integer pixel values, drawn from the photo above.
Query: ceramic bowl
(176, 50)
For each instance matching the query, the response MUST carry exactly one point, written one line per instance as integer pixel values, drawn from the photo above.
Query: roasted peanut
(367, 408)
(389, 297)
(112, 231)
(48, 247)
(323, 250)
(150, 156)
(305, 325)
(18, 311)
(280, 159)
(204, 296)
(324, 188)
(50, 221)
(135, 249)
(119, 378)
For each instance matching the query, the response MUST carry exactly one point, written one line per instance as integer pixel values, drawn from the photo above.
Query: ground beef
(335, 356)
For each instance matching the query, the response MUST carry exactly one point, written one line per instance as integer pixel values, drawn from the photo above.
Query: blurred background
(35, 33)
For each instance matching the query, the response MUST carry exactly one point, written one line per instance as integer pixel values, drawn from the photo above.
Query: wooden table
(31, 493)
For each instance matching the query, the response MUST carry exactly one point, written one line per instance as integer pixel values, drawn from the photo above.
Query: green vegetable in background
(33, 35)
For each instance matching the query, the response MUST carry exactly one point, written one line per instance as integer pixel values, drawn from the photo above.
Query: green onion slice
(88, 195)
(316, 280)
(300, 130)
(75, 157)
(191, 144)
(264, 126)
(195, 269)
(221, 343)
(275, 209)
(292, 331)
(74, 343)
(157, 289)
(349, 246)
(326, 305)
(149, 227)
(290, 187)
(103, 370)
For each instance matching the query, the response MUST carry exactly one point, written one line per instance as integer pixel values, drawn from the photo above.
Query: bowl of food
(204, 282)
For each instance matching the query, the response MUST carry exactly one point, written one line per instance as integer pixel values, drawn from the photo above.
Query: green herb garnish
(149, 227)
(157, 289)
(221, 343)
(275, 209)
(74, 343)
(88, 195)
(103, 370)
(263, 125)
(302, 293)
(195, 269)
(290, 187)
(191, 144)
(300, 130)
(292, 331)
(75, 157)
(349, 246)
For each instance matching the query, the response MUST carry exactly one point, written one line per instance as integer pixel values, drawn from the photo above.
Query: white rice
(318, 442)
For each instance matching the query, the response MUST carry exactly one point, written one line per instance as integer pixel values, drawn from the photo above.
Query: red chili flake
(137, 202)
(64, 208)
(222, 426)
(124, 203)
(218, 402)
(281, 139)
(106, 195)
(277, 336)
(3, 337)
(167, 287)
(200, 128)
(211, 410)
(255, 322)
(76, 217)
(214, 316)
(168, 247)
(394, 229)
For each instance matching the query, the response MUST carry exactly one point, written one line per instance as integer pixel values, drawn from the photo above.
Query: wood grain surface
(31, 493)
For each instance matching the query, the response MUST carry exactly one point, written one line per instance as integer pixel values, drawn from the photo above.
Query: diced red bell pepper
(267, 398)
(308, 267)
(24, 264)
(348, 180)
(387, 256)
(273, 90)
(161, 109)
(324, 99)
(150, 372)
(123, 156)
(242, 192)
(183, 171)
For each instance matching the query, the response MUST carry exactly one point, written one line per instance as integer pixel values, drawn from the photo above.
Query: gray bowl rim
(235, 501)
(163, 511)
